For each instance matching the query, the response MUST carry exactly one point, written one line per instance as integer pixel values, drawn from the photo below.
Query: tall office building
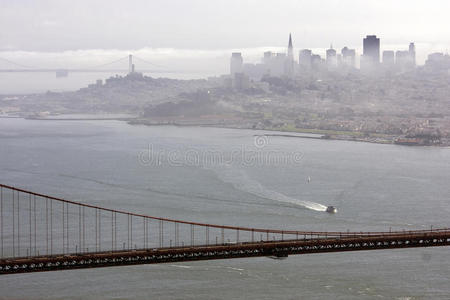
(331, 57)
(274, 64)
(316, 62)
(290, 54)
(130, 64)
(304, 59)
(348, 57)
(438, 62)
(412, 53)
(289, 64)
(236, 63)
(371, 51)
(278, 67)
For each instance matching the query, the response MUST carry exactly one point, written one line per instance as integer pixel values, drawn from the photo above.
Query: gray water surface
(226, 176)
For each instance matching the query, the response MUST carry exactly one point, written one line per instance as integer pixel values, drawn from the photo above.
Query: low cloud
(214, 62)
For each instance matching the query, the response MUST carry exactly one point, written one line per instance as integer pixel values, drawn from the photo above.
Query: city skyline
(190, 39)
(372, 58)
(211, 61)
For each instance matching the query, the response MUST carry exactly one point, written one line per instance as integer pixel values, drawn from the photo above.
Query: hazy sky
(212, 25)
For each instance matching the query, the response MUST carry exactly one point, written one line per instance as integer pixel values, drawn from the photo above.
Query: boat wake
(241, 181)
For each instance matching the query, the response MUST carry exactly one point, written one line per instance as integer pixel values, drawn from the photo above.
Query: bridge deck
(224, 251)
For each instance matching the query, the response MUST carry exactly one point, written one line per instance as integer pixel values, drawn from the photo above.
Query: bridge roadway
(276, 249)
(82, 71)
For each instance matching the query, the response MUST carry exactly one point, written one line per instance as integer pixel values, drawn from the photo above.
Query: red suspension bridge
(44, 233)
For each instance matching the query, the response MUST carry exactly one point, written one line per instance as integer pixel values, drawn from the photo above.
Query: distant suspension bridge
(109, 67)
(43, 233)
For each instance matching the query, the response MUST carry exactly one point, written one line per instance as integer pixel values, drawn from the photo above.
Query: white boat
(331, 209)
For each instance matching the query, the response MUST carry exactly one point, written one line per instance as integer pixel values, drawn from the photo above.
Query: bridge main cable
(236, 228)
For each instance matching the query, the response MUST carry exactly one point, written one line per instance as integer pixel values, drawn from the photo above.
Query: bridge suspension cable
(148, 62)
(88, 68)
(107, 64)
(17, 64)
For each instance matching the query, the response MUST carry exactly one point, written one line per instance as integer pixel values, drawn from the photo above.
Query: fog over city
(199, 35)
(298, 66)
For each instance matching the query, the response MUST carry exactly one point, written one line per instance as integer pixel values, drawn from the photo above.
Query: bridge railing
(33, 224)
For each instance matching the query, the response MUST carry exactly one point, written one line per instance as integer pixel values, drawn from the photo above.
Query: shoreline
(388, 139)
(317, 134)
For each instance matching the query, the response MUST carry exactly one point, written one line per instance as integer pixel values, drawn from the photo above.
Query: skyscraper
(290, 49)
(130, 64)
(274, 63)
(316, 62)
(371, 51)
(412, 53)
(331, 57)
(304, 59)
(236, 63)
(348, 57)
(289, 64)
(406, 60)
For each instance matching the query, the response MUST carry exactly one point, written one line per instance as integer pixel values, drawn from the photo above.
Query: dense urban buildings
(283, 64)
(395, 101)
(376, 94)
